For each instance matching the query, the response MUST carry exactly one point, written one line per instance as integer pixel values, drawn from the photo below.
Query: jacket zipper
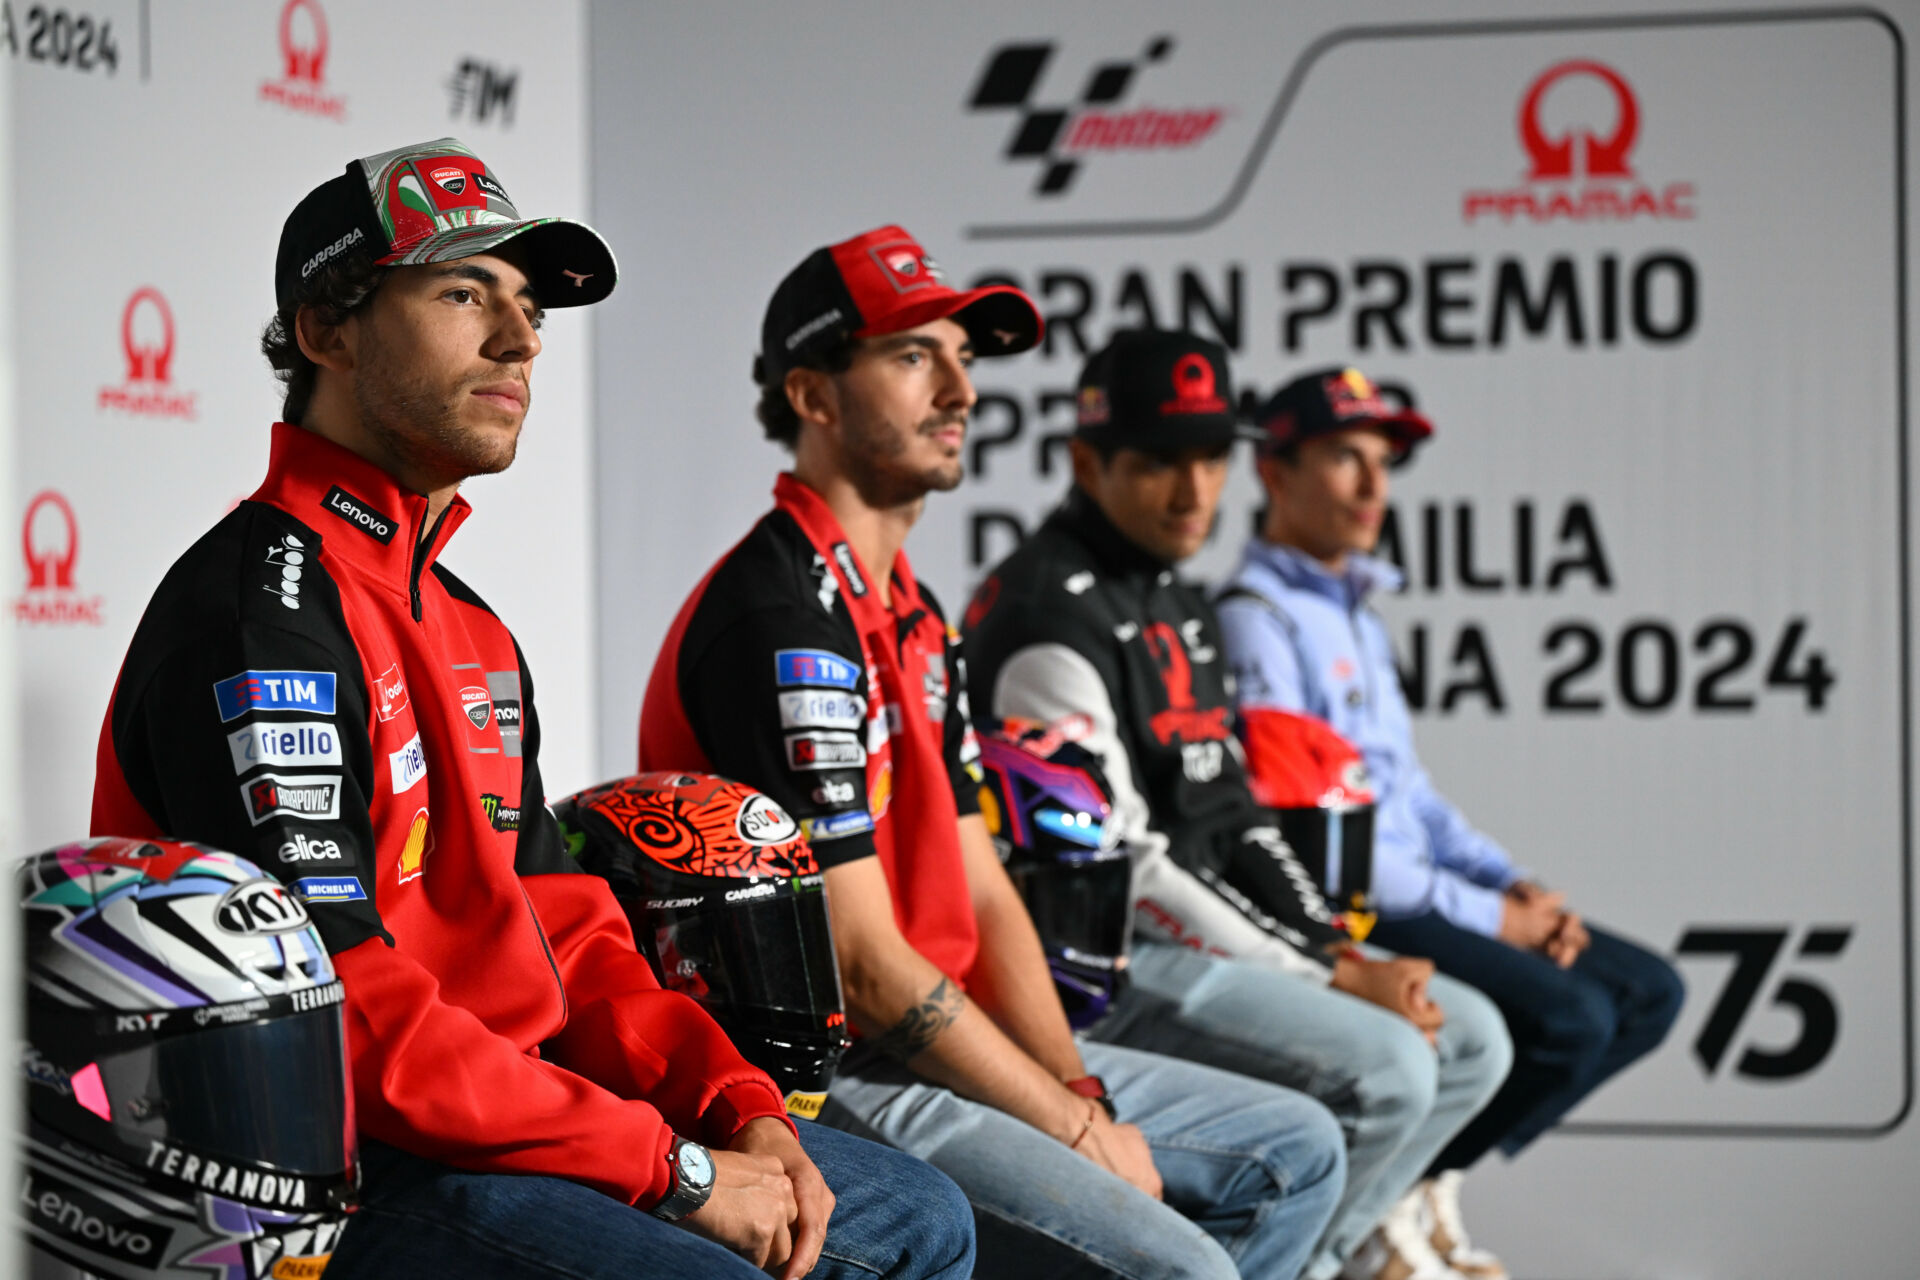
(420, 550)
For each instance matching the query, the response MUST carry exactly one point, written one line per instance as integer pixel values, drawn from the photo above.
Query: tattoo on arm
(923, 1023)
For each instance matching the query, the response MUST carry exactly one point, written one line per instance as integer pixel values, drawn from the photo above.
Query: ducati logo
(452, 180)
(478, 704)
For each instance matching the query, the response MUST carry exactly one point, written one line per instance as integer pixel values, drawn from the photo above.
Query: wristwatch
(689, 1180)
(1095, 1088)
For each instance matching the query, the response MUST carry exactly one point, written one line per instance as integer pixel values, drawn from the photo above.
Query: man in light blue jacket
(1581, 1003)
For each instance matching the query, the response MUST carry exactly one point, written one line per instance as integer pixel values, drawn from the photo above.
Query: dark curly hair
(775, 411)
(335, 291)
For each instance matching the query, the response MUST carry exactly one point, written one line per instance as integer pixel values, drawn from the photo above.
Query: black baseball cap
(882, 281)
(433, 202)
(1328, 400)
(1159, 391)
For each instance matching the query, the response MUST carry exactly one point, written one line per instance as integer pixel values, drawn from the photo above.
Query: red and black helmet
(1317, 781)
(728, 904)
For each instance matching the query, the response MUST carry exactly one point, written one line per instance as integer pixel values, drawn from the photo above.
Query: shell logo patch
(413, 854)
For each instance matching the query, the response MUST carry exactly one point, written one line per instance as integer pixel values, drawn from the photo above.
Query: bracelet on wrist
(1093, 1111)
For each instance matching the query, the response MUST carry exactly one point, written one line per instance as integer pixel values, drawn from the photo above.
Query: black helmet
(728, 904)
(1046, 803)
(188, 1108)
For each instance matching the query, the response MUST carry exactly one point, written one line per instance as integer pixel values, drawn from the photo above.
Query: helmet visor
(1335, 845)
(1080, 903)
(267, 1092)
(772, 957)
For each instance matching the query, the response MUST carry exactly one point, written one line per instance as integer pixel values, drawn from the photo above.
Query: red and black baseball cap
(882, 282)
(433, 202)
(1328, 400)
(1159, 391)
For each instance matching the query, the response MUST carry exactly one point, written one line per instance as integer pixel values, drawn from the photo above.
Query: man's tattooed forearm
(920, 1025)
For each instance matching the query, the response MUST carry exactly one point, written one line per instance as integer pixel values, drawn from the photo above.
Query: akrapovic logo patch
(360, 514)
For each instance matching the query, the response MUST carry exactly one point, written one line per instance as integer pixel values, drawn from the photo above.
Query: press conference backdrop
(1647, 272)
(157, 149)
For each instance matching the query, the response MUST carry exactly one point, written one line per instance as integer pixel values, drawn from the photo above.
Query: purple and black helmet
(1047, 805)
(188, 1107)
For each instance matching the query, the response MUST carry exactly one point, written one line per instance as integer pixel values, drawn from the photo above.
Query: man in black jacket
(1088, 618)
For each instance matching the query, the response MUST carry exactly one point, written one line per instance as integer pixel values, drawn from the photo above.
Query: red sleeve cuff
(737, 1104)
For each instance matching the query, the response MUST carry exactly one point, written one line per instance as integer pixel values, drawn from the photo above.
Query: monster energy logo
(504, 817)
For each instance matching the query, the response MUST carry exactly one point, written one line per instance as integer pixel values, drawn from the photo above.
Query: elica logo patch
(360, 514)
(259, 906)
(307, 796)
(306, 848)
(274, 691)
(287, 743)
(814, 667)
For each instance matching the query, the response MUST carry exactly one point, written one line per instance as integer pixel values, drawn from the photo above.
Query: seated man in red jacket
(311, 689)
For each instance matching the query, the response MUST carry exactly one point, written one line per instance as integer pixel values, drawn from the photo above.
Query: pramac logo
(50, 544)
(303, 61)
(146, 341)
(1582, 172)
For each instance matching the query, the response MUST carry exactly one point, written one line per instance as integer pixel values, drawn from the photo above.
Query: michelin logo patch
(808, 709)
(329, 889)
(275, 691)
(814, 667)
(837, 827)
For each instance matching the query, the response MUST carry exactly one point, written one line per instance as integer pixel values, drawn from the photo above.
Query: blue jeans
(1397, 1100)
(892, 1216)
(1251, 1172)
(1572, 1028)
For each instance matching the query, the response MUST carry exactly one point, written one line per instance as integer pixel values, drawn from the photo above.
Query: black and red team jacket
(777, 673)
(310, 689)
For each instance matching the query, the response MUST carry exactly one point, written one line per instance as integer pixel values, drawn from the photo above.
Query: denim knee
(1479, 1036)
(1580, 1024)
(1658, 1004)
(1401, 1077)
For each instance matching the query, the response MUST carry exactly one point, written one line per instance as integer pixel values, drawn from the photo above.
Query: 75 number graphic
(1754, 952)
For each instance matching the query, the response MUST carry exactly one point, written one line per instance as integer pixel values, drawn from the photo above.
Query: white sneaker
(1449, 1231)
(1399, 1248)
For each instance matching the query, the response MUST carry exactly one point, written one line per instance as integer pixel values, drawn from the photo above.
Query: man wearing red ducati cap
(812, 664)
(311, 688)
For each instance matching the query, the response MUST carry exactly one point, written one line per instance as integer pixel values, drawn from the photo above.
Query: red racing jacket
(311, 689)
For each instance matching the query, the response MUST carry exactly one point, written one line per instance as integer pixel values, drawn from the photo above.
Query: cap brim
(570, 265)
(1407, 426)
(1001, 320)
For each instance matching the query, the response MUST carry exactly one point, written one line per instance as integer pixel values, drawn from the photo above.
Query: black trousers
(1572, 1028)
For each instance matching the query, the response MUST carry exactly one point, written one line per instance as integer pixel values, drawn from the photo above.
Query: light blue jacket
(1301, 638)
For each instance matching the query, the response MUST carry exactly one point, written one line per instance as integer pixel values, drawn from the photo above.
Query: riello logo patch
(1060, 138)
(302, 85)
(50, 544)
(1585, 172)
(146, 340)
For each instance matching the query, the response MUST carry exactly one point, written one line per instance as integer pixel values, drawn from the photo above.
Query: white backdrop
(1648, 275)
(153, 169)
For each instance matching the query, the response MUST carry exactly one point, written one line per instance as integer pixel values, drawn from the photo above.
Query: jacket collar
(816, 519)
(362, 515)
(1081, 517)
(1363, 575)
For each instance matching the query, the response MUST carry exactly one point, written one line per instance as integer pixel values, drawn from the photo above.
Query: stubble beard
(872, 449)
(419, 425)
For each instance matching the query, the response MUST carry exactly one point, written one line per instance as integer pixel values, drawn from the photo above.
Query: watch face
(695, 1165)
